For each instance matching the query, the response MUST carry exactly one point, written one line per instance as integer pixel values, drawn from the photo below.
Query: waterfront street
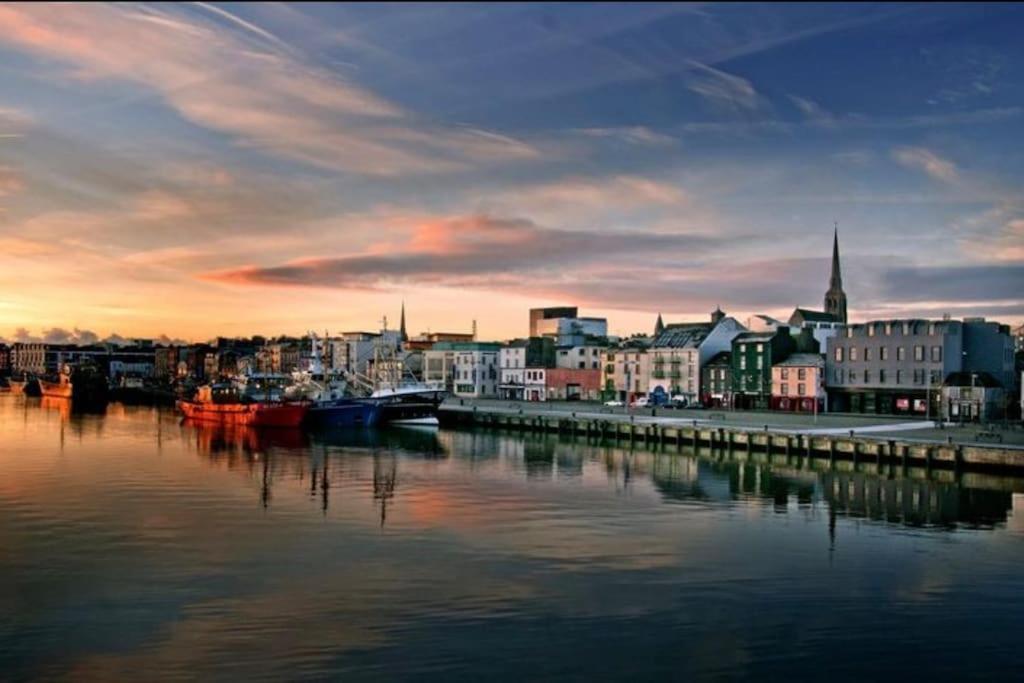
(866, 426)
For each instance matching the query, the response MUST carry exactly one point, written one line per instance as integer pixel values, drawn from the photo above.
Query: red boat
(62, 388)
(223, 405)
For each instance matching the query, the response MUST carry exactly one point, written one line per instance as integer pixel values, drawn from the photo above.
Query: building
(5, 360)
(427, 340)
(716, 380)
(899, 366)
(535, 382)
(515, 357)
(476, 370)
(973, 397)
(550, 313)
(798, 383)
(679, 352)
(626, 373)
(564, 325)
(584, 357)
(572, 384)
(763, 323)
(834, 313)
(439, 365)
(753, 355)
(32, 358)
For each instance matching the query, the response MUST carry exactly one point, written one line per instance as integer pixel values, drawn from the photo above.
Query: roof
(754, 336)
(963, 379)
(803, 360)
(465, 346)
(720, 358)
(814, 316)
(679, 335)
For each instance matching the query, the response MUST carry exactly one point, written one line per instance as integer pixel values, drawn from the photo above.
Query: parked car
(614, 404)
(641, 402)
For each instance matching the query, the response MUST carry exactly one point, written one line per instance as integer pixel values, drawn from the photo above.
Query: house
(515, 357)
(973, 397)
(798, 383)
(899, 366)
(753, 355)
(679, 352)
(476, 372)
(572, 384)
(716, 380)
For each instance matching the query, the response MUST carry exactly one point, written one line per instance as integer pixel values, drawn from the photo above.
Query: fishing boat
(403, 399)
(333, 403)
(27, 385)
(84, 383)
(222, 404)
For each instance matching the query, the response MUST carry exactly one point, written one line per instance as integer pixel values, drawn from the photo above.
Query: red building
(569, 384)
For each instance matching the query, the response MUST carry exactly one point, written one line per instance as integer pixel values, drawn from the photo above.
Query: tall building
(835, 297)
(550, 313)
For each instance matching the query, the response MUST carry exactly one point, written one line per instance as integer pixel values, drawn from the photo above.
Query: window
(867, 353)
(760, 348)
(931, 329)
(853, 353)
(743, 348)
(839, 376)
(918, 376)
(785, 373)
(936, 377)
(881, 376)
(888, 329)
(853, 376)
(871, 330)
(849, 333)
(785, 389)
(936, 354)
(883, 353)
(743, 362)
(899, 377)
(918, 353)
(801, 389)
(906, 328)
(867, 377)
(901, 353)
(839, 354)
(760, 362)
(801, 373)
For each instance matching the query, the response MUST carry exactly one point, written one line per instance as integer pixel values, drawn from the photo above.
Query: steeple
(401, 327)
(659, 326)
(835, 297)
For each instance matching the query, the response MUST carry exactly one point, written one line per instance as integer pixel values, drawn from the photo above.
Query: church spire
(659, 326)
(835, 297)
(836, 282)
(401, 328)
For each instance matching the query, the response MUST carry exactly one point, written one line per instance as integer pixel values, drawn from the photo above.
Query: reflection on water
(135, 542)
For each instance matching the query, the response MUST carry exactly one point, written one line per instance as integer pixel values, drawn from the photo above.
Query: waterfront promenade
(882, 427)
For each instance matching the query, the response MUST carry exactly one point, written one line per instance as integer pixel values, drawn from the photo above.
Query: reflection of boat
(27, 385)
(212, 439)
(222, 404)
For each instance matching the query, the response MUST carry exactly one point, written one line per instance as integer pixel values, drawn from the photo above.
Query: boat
(84, 383)
(410, 403)
(27, 385)
(333, 403)
(222, 404)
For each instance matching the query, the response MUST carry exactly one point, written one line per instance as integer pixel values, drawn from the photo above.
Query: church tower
(835, 297)
(401, 330)
(659, 326)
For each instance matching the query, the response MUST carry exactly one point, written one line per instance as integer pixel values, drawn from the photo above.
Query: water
(134, 547)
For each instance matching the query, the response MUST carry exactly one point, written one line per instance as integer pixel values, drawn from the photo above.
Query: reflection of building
(897, 366)
(797, 383)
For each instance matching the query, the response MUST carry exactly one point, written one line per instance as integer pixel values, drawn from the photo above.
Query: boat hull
(249, 414)
(56, 389)
(411, 408)
(344, 413)
(27, 387)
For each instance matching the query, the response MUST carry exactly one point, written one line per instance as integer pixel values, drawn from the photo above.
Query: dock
(675, 432)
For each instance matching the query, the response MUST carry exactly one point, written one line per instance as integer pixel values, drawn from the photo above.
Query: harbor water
(134, 546)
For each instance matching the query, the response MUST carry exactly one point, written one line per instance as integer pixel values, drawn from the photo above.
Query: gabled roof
(683, 335)
(720, 358)
(754, 336)
(813, 316)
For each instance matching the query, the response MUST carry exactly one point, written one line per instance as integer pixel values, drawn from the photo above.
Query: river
(136, 547)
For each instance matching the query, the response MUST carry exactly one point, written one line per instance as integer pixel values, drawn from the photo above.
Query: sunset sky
(195, 170)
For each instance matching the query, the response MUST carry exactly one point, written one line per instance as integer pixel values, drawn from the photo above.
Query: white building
(680, 352)
(535, 381)
(476, 369)
(585, 357)
(512, 364)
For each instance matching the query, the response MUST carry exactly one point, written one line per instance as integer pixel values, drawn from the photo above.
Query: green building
(753, 354)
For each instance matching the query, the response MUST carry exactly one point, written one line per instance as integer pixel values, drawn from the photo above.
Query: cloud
(264, 98)
(637, 135)
(469, 251)
(990, 283)
(721, 88)
(923, 159)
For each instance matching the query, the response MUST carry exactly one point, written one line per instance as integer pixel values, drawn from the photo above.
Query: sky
(194, 170)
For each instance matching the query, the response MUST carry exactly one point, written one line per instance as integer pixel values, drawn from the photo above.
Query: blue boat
(346, 411)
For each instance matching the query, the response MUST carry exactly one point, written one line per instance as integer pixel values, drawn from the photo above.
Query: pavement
(871, 426)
